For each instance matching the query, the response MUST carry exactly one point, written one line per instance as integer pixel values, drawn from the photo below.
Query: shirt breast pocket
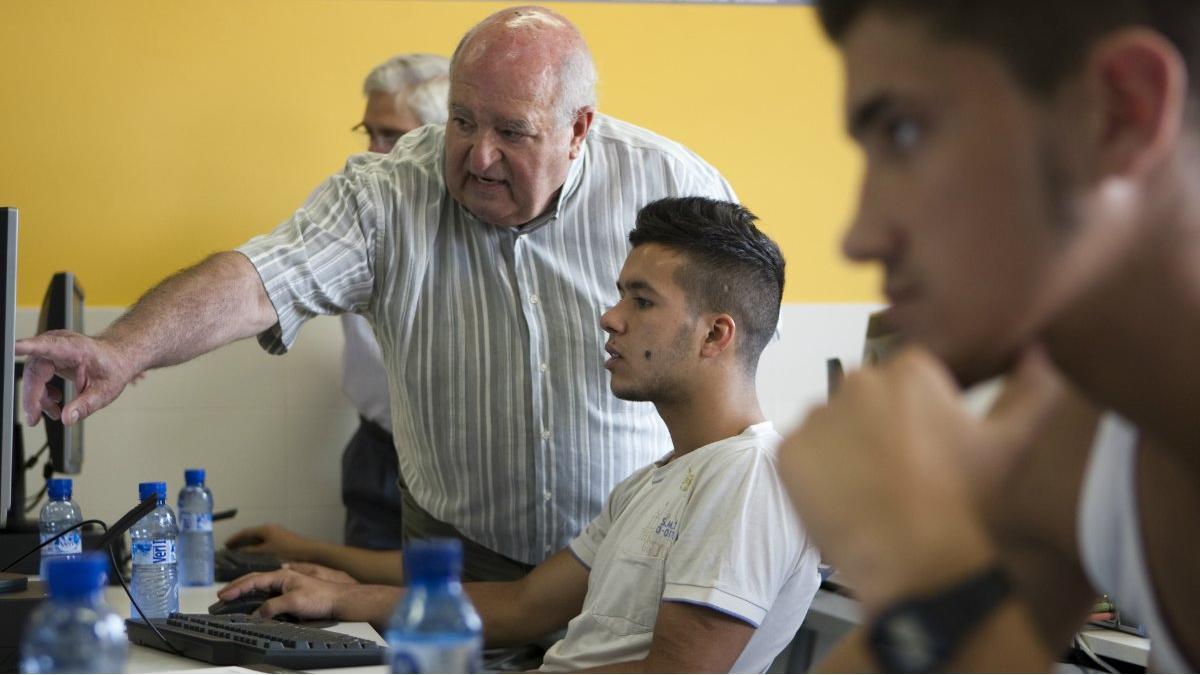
(631, 594)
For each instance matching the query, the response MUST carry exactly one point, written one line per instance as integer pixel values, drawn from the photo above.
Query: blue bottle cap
(433, 559)
(193, 476)
(76, 577)
(147, 489)
(59, 489)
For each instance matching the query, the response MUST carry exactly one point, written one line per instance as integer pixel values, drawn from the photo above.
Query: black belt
(375, 431)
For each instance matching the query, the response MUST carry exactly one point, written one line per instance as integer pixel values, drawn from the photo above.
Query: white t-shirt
(713, 528)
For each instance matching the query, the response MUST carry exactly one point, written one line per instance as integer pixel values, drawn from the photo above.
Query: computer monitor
(8, 316)
(62, 309)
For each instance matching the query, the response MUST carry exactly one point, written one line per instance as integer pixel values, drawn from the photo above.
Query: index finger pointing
(36, 375)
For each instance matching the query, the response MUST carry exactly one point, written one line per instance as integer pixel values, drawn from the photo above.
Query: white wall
(270, 430)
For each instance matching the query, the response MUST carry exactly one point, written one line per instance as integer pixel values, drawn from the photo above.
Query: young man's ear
(1139, 80)
(721, 330)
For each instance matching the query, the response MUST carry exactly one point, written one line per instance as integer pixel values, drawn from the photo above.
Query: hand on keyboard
(321, 572)
(300, 595)
(274, 539)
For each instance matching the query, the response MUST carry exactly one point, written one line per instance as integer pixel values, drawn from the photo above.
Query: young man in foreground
(1032, 189)
(696, 562)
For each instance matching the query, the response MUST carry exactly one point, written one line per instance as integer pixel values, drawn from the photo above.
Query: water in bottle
(74, 631)
(57, 515)
(155, 584)
(195, 531)
(434, 629)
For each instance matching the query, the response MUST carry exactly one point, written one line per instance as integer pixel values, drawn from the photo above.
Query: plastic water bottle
(434, 628)
(155, 574)
(195, 531)
(57, 515)
(74, 631)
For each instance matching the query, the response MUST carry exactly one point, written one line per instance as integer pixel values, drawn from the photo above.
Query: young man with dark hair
(1031, 190)
(696, 562)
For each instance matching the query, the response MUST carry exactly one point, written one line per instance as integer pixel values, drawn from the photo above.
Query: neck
(1133, 342)
(715, 409)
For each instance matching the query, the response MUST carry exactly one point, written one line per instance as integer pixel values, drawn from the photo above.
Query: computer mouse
(247, 603)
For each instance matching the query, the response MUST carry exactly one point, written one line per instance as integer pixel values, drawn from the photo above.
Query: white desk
(833, 615)
(196, 600)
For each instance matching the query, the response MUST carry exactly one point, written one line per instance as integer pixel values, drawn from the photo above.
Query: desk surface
(196, 600)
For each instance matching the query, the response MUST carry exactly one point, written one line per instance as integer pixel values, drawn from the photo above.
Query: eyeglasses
(378, 137)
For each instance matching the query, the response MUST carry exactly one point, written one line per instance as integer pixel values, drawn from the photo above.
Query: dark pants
(375, 496)
(370, 489)
(479, 563)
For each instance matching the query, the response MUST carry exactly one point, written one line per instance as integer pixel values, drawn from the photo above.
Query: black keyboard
(229, 564)
(241, 639)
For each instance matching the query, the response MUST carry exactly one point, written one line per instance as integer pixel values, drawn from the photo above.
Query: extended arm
(365, 565)
(513, 612)
(543, 601)
(218, 301)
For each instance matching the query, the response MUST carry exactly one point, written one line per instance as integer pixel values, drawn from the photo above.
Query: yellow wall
(137, 136)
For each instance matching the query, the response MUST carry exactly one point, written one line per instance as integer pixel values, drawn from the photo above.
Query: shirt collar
(567, 192)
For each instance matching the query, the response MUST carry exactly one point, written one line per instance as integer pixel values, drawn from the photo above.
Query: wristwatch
(919, 635)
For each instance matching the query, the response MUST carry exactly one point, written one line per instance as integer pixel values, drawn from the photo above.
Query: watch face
(910, 644)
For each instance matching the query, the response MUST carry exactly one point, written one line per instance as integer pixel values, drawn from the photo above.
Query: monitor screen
(8, 317)
(62, 309)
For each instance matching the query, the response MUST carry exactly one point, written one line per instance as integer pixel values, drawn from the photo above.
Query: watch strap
(921, 634)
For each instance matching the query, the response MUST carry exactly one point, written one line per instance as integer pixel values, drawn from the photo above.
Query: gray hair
(577, 84)
(422, 81)
(576, 72)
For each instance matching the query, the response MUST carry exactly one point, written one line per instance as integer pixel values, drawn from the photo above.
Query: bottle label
(67, 544)
(195, 522)
(436, 655)
(154, 552)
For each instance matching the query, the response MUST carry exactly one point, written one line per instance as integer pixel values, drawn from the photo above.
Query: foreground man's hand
(887, 477)
(274, 539)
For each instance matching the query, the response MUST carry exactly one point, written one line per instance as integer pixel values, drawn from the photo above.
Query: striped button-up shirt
(501, 411)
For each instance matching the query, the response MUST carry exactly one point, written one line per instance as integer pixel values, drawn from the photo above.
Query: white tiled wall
(270, 430)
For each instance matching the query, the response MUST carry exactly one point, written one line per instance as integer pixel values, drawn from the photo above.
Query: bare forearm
(216, 302)
(374, 604)
(504, 621)
(365, 565)
(1007, 641)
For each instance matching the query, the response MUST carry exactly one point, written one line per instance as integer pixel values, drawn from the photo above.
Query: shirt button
(546, 434)
(547, 495)
(533, 299)
(542, 367)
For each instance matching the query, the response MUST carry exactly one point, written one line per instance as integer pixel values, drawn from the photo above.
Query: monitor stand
(19, 533)
(19, 594)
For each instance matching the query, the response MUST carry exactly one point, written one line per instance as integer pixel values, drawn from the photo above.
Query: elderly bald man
(483, 254)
